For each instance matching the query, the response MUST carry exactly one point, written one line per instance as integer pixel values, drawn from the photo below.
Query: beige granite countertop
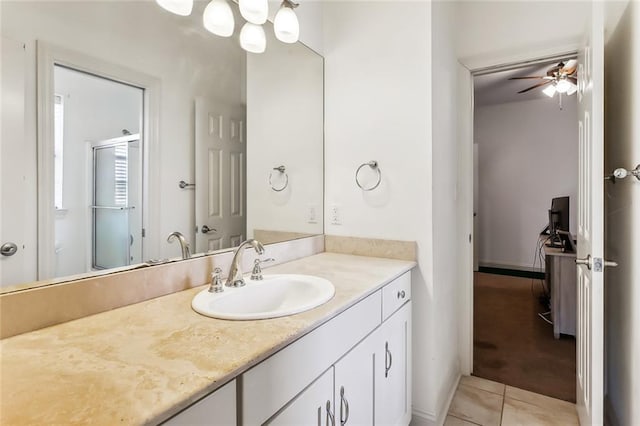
(143, 363)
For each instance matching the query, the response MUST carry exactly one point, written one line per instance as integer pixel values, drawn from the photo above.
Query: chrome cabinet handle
(401, 294)
(330, 415)
(344, 407)
(205, 229)
(8, 249)
(388, 359)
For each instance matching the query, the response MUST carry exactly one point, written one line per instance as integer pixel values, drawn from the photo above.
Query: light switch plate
(335, 215)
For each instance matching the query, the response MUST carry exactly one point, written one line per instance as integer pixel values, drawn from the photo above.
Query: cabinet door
(217, 409)
(354, 385)
(393, 370)
(313, 406)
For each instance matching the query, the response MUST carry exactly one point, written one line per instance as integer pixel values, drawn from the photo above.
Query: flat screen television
(558, 219)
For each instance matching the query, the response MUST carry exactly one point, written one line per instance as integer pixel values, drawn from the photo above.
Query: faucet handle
(256, 274)
(216, 282)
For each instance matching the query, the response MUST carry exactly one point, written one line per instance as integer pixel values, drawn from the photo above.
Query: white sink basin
(274, 296)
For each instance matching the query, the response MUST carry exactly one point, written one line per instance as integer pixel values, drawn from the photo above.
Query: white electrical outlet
(335, 215)
(312, 213)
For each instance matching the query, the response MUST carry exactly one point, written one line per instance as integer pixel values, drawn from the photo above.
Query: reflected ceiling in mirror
(246, 130)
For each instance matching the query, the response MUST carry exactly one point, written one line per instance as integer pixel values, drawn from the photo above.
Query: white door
(220, 175)
(354, 385)
(590, 302)
(313, 406)
(17, 261)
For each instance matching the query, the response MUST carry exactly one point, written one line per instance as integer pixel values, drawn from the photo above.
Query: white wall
(187, 60)
(94, 110)
(622, 221)
(528, 154)
(285, 126)
(378, 106)
(507, 31)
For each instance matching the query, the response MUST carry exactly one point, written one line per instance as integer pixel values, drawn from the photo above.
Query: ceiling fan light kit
(560, 78)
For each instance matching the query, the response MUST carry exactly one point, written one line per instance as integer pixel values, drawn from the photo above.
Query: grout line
(502, 410)
(464, 420)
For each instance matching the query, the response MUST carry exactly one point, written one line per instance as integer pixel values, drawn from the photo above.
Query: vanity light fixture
(285, 24)
(179, 7)
(252, 38)
(254, 11)
(218, 18)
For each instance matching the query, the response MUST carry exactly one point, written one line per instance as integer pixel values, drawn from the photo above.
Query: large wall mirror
(123, 123)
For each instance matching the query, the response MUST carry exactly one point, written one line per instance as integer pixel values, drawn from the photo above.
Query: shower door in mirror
(116, 216)
(97, 174)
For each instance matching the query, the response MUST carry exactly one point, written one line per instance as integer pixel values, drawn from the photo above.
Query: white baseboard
(425, 418)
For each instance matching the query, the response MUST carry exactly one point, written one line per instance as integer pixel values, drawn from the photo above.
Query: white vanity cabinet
(354, 385)
(217, 408)
(353, 370)
(313, 406)
(393, 369)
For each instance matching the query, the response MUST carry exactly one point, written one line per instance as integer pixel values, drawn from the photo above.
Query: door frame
(476, 66)
(48, 55)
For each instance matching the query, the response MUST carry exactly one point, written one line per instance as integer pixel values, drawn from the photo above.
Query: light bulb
(562, 86)
(254, 11)
(179, 7)
(218, 18)
(550, 91)
(252, 38)
(286, 26)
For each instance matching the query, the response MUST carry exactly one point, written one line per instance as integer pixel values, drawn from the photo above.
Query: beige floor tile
(484, 384)
(516, 413)
(476, 405)
(454, 421)
(551, 404)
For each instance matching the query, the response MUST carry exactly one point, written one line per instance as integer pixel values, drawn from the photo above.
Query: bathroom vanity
(159, 361)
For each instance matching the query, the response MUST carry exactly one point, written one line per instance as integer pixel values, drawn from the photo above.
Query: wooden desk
(560, 277)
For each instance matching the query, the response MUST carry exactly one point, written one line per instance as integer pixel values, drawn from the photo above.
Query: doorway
(525, 155)
(98, 172)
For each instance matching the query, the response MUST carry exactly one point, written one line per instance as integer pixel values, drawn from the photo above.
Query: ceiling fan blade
(534, 86)
(573, 80)
(555, 69)
(570, 67)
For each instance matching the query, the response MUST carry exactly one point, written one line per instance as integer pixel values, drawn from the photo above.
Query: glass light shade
(572, 89)
(218, 18)
(179, 7)
(562, 86)
(286, 26)
(254, 11)
(252, 38)
(550, 91)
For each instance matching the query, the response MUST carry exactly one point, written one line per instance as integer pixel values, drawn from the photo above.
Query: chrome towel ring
(280, 169)
(374, 165)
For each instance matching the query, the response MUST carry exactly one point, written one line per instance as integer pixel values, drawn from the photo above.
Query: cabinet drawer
(395, 294)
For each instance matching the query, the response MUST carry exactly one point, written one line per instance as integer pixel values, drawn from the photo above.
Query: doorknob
(206, 229)
(8, 249)
(597, 263)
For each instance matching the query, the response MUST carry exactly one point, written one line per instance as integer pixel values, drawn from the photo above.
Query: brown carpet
(512, 345)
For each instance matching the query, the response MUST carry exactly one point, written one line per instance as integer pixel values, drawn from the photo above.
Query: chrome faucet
(235, 273)
(184, 245)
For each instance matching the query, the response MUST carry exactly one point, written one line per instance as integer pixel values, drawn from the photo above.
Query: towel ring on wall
(374, 165)
(280, 169)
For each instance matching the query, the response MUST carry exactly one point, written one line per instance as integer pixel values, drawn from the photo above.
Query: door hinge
(144, 233)
(469, 237)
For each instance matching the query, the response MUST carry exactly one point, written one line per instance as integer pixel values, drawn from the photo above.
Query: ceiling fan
(560, 78)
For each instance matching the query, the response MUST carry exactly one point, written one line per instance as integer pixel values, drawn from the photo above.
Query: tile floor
(483, 402)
